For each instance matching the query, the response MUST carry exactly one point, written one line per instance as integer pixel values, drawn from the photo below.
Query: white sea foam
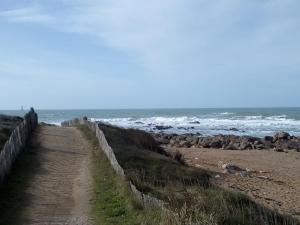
(247, 125)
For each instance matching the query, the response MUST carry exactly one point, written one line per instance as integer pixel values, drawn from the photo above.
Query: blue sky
(149, 54)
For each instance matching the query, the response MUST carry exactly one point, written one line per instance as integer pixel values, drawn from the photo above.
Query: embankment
(17, 142)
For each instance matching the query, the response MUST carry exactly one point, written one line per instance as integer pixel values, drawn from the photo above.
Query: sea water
(238, 121)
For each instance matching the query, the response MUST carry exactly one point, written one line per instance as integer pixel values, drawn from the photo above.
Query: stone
(216, 144)
(185, 144)
(268, 138)
(234, 129)
(158, 127)
(231, 168)
(281, 136)
(278, 150)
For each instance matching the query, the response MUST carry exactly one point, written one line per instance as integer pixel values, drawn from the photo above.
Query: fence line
(147, 201)
(17, 142)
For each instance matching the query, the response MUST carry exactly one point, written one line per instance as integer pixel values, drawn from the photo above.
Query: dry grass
(187, 191)
(113, 202)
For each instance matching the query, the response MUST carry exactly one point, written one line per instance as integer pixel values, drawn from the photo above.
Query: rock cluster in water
(279, 142)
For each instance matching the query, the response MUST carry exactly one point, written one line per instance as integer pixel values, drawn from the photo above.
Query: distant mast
(22, 108)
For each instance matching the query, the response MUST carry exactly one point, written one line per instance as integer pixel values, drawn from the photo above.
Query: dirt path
(275, 180)
(60, 188)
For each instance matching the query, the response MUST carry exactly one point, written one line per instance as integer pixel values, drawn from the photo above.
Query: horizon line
(154, 108)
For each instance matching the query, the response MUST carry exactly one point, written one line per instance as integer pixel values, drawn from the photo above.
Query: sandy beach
(273, 178)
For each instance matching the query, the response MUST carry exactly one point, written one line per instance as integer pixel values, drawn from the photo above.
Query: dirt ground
(273, 180)
(60, 190)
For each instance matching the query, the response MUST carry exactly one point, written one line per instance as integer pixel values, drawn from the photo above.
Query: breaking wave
(205, 125)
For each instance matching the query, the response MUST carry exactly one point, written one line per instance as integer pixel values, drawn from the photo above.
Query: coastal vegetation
(190, 197)
(7, 125)
(113, 203)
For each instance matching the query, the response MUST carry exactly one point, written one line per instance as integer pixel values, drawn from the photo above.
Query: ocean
(257, 122)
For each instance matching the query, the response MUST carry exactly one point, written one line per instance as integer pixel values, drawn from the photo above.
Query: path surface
(60, 190)
(276, 182)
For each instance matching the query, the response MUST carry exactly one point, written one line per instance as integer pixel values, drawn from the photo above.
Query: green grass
(187, 190)
(113, 203)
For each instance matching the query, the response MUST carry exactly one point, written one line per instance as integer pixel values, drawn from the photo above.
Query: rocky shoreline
(279, 142)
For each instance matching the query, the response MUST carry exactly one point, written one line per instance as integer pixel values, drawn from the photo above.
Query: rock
(282, 141)
(231, 147)
(186, 128)
(231, 168)
(281, 136)
(259, 146)
(278, 150)
(216, 144)
(159, 127)
(172, 142)
(245, 145)
(268, 138)
(195, 141)
(258, 142)
(263, 177)
(184, 144)
(293, 145)
(234, 129)
(204, 142)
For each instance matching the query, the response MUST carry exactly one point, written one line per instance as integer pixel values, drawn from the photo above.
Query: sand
(274, 180)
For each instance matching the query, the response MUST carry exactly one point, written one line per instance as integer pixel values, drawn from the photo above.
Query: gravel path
(60, 191)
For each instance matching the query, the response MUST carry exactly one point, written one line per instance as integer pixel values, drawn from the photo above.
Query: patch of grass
(113, 203)
(191, 198)
(150, 171)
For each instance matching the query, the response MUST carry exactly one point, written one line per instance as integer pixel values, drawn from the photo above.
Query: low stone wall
(17, 142)
(147, 201)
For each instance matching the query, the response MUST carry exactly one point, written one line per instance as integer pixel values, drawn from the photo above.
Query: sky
(73, 54)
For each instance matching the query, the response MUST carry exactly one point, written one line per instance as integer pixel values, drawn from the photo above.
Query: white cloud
(200, 37)
(31, 14)
(177, 36)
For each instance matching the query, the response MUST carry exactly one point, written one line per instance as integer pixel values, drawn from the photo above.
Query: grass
(191, 198)
(113, 203)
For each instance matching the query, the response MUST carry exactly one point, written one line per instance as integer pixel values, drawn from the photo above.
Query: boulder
(281, 136)
(216, 144)
(268, 138)
(184, 144)
(159, 127)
